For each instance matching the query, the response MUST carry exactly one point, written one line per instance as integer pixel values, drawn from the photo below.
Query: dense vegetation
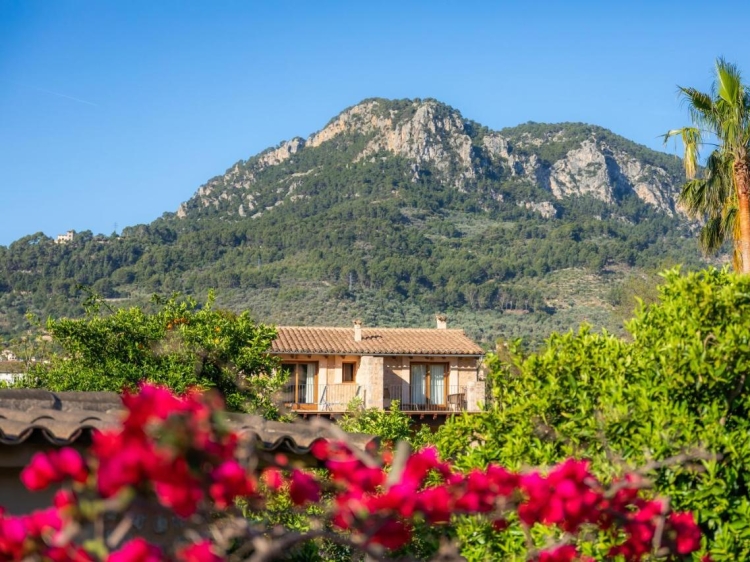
(178, 345)
(677, 385)
(324, 239)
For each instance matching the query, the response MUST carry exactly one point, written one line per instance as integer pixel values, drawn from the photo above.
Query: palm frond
(707, 194)
(699, 100)
(731, 225)
(691, 140)
(692, 197)
(729, 82)
(712, 235)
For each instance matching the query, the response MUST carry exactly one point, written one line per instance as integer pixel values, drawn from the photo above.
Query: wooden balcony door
(429, 384)
(302, 384)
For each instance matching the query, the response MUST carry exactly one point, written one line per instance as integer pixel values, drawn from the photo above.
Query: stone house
(433, 371)
(65, 238)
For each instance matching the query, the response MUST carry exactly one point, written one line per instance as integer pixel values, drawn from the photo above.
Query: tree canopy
(179, 344)
(678, 384)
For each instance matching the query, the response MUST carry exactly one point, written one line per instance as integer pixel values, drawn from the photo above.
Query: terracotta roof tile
(62, 418)
(375, 341)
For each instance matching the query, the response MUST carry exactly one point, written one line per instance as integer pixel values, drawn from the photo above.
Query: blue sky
(114, 112)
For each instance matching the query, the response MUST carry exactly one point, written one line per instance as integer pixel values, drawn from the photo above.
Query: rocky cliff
(562, 160)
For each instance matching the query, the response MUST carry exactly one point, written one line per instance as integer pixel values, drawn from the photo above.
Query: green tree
(721, 194)
(180, 345)
(391, 425)
(678, 384)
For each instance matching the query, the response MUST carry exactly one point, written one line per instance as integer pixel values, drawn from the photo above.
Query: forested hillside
(394, 211)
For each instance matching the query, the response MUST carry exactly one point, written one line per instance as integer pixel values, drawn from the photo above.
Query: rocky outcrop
(278, 155)
(544, 208)
(593, 168)
(429, 140)
(437, 139)
(516, 164)
(582, 172)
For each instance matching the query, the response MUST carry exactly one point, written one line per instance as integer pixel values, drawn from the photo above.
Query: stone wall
(371, 375)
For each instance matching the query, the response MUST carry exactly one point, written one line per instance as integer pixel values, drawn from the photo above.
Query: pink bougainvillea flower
(565, 553)
(137, 550)
(71, 464)
(321, 449)
(230, 481)
(48, 468)
(203, 551)
(419, 465)
(40, 472)
(67, 553)
(151, 402)
(392, 534)
(281, 459)
(273, 478)
(43, 521)
(436, 503)
(687, 535)
(181, 495)
(303, 488)
(174, 448)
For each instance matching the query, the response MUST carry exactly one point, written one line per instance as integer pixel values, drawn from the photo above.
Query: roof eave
(374, 354)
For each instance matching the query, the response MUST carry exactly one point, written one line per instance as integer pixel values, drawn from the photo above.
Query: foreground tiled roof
(375, 341)
(65, 418)
(60, 418)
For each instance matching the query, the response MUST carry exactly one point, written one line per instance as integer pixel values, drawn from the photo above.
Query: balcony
(321, 398)
(417, 398)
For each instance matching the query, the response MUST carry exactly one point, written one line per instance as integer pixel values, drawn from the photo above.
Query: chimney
(442, 321)
(358, 330)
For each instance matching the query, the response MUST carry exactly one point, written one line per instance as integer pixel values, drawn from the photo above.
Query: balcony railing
(322, 398)
(418, 398)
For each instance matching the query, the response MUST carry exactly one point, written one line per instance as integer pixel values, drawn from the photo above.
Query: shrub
(679, 384)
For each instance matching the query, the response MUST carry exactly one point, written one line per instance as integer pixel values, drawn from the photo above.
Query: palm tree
(720, 194)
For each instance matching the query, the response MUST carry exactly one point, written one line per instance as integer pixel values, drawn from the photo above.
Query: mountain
(393, 211)
(565, 159)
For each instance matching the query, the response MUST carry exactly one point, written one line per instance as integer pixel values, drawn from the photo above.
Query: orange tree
(678, 383)
(178, 344)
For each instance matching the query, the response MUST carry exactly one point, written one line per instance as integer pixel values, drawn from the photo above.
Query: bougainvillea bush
(177, 455)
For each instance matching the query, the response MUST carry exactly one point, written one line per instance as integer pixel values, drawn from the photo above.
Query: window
(302, 382)
(347, 372)
(428, 384)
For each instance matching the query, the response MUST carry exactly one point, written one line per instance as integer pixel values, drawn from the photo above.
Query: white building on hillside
(65, 238)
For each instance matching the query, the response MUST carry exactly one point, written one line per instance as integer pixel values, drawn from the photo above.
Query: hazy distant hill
(392, 212)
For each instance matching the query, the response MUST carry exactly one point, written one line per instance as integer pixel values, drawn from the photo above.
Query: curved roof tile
(62, 418)
(375, 341)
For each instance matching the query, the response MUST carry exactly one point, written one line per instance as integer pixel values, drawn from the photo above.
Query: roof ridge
(370, 328)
